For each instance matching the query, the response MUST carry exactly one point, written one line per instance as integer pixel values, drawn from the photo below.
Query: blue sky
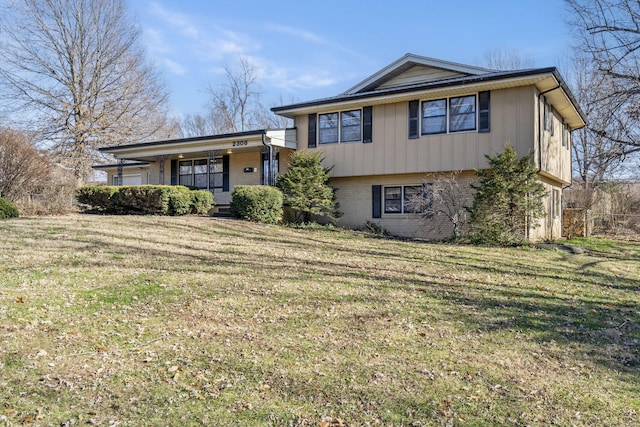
(307, 50)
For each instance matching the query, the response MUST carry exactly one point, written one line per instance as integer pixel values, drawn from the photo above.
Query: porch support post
(161, 161)
(211, 156)
(120, 168)
(273, 151)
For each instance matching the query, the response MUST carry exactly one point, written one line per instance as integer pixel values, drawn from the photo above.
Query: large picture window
(334, 128)
(447, 115)
(194, 173)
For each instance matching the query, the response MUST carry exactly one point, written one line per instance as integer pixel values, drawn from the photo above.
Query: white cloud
(298, 33)
(174, 67)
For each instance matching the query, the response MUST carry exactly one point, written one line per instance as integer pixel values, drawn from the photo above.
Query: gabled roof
(460, 79)
(407, 62)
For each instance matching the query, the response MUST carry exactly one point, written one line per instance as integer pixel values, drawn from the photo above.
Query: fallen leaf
(19, 300)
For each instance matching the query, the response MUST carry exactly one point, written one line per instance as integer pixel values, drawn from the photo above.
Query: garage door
(132, 179)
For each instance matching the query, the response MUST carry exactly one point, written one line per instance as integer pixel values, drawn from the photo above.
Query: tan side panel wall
(392, 152)
(549, 227)
(356, 204)
(556, 158)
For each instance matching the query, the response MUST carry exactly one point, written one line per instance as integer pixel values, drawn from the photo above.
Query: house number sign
(239, 143)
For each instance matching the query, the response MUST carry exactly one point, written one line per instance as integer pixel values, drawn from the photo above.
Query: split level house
(385, 139)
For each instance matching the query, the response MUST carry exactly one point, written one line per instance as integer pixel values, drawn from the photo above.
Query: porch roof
(187, 147)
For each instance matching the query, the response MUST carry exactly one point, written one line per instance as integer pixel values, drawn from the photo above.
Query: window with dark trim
(434, 116)
(200, 173)
(185, 170)
(193, 173)
(216, 177)
(462, 113)
(334, 128)
(401, 199)
(448, 115)
(328, 128)
(341, 127)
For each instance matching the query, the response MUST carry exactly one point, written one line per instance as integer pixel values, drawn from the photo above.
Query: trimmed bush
(179, 200)
(258, 203)
(101, 199)
(145, 200)
(201, 202)
(8, 209)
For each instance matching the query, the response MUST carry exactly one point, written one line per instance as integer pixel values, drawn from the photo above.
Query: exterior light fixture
(181, 156)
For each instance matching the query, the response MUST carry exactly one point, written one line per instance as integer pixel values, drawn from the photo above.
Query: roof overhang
(127, 165)
(190, 147)
(543, 79)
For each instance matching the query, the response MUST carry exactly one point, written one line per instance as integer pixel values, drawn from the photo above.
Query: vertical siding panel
(400, 143)
(471, 151)
(498, 127)
(380, 125)
(433, 145)
(390, 150)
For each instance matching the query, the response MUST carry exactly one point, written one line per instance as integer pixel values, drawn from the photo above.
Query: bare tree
(198, 125)
(505, 60)
(609, 33)
(596, 150)
(22, 168)
(75, 71)
(443, 201)
(236, 105)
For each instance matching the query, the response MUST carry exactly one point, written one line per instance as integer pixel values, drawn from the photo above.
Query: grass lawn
(199, 321)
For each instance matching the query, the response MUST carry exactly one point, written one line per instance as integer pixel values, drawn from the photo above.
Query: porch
(214, 163)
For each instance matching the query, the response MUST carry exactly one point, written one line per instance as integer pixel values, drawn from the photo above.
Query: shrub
(306, 188)
(101, 199)
(258, 203)
(8, 209)
(201, 202)
(145, 200)
(179, 199)
(507, 201)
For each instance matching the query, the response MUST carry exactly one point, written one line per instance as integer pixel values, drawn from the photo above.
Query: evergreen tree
(507, 201)
(305, 187)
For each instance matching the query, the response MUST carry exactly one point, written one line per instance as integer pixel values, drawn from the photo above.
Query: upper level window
(456, 114)
(340, 127)
(434, 116)
(328, 128)
(462, 113)
(449, 115)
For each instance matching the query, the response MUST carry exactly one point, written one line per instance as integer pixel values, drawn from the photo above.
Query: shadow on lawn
(598, 316)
